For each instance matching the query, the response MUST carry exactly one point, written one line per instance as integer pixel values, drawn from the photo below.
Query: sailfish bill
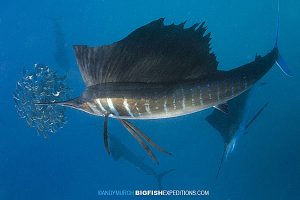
(256, 115)
(160, 71)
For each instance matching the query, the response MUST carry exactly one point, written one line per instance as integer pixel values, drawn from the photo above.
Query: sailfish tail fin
(159, 177)
(278, 19)
(283, 66)
(280, 61)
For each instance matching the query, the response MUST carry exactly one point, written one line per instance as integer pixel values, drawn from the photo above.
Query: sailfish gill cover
(41, 85)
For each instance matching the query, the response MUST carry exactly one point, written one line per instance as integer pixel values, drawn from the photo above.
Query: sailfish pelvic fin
(105, 134)
(140, 137)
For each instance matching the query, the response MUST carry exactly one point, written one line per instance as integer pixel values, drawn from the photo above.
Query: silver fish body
(137, 100)
(160, 100)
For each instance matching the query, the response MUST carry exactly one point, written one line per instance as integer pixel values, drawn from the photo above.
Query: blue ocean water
(73, 164)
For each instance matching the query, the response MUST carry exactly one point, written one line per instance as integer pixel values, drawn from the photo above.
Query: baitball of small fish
(41, 84)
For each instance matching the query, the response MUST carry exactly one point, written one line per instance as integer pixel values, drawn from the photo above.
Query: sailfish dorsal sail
(152, 53)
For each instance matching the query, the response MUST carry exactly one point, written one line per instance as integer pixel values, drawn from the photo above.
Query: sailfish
(234, 125)
(160, 71)
(120, 151)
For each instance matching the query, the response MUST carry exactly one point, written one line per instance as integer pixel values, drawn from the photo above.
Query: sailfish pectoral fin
(145, 137)
(105, 134)
(224, 108)
(140, 141)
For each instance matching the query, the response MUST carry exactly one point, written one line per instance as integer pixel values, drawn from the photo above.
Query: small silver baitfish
(160, 71)
(41, 84)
